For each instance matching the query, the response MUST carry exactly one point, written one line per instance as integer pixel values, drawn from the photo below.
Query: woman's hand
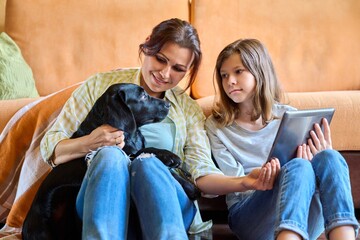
(263, 178)
(105, 135)
(73, 148)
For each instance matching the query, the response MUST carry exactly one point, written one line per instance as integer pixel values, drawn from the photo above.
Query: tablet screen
(294, 130)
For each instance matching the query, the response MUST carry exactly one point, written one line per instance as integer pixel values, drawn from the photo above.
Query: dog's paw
(189, 187)
(168, 158)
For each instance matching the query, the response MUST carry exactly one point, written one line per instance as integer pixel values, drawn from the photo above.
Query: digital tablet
(294, 130)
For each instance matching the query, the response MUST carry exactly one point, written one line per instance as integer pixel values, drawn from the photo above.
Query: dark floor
(221, 231)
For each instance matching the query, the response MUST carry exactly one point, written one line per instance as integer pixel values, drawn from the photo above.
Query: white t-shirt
(237, 151)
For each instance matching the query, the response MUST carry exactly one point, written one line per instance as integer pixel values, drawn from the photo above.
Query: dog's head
(133, 100)
(126, 107)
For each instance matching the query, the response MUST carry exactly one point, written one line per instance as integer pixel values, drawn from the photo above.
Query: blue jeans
(308, 197)
(113, 183)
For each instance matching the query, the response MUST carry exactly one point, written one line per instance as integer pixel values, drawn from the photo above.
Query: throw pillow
(16, 77)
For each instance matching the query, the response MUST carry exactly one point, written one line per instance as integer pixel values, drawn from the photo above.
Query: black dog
(124, 106)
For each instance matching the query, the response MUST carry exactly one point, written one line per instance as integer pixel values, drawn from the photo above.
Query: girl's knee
(299, 167)
(299, 164)
(330, 155)
(329, 159)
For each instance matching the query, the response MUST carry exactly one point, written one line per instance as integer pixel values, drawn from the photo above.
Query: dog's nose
(167, 105)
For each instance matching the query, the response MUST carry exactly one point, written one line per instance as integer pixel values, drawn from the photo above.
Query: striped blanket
(21, 167)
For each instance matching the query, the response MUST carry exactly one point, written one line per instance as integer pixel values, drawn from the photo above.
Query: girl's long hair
(257, 61)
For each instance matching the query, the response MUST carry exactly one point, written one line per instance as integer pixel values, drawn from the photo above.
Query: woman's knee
(109, 158)
(146, 162)
(148, 173)
(148, 166)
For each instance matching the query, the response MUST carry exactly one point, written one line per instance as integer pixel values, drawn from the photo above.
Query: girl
(310, 191)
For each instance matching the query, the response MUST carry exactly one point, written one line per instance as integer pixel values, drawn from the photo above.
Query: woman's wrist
(70, 149)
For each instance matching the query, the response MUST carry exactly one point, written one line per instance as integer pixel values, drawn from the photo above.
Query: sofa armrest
(9, 107)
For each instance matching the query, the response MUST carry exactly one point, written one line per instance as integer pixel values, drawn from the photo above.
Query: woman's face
(166, 69)
(238, 83)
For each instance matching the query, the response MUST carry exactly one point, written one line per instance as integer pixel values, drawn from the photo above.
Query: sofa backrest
(65, 42)
(315, 45)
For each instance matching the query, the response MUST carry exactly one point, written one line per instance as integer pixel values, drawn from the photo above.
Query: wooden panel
(2, 15)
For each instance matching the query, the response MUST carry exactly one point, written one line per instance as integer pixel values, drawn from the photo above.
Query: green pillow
(16, 77)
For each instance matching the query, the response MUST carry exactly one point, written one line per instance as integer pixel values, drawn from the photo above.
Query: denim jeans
(113, 184)
(308, 197)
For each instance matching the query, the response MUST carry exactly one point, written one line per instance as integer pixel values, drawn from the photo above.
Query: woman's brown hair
(257, 61)
(179, 32)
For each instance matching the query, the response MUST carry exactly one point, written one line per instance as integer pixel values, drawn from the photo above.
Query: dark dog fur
(124, 106)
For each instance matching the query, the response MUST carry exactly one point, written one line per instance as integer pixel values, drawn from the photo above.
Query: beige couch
(315, 47)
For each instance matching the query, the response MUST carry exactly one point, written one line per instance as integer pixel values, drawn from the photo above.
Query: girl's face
(238, 83)
(166, 69)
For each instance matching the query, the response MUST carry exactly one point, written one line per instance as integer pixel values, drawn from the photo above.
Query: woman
(111, 185)
(309, 191)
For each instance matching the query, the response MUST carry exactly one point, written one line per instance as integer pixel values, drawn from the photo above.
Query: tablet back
(294, 130)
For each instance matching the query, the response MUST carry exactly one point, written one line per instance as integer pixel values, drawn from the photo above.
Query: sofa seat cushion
(16, 78)
(344, 131)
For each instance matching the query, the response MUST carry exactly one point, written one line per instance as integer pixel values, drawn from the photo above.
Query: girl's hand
(263, 178)
(303, 151)
(105, 135)
(320, 140)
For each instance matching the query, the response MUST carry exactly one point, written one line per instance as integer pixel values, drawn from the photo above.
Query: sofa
(314, 45)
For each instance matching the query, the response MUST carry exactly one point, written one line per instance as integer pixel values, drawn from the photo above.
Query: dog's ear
(119, 114)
